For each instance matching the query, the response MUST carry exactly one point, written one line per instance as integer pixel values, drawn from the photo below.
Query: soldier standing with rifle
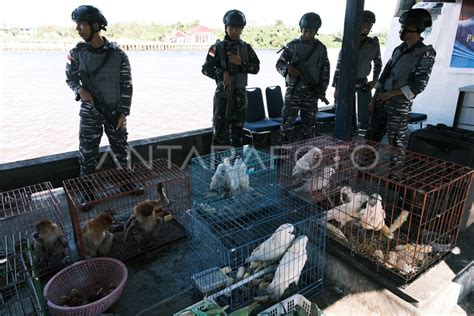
(228, 62)
(305, 65)
(98, 71)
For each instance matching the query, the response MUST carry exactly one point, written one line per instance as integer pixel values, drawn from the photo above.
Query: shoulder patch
(212, 51)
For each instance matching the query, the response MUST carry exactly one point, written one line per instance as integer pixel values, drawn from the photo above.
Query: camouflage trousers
(302, 101)
(91, 128)
(391, 118)
(233, 136)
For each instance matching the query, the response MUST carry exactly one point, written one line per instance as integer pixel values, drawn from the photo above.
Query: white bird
(305, 163)
(275, 246)
(233, 174)
(219, 180)
(290, 267)
(348, 211)
(318, 181)
(372, 217)
(243, 176)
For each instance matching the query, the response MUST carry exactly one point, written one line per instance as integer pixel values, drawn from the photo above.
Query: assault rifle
(229, 93)
(110, 116)
(305, 75)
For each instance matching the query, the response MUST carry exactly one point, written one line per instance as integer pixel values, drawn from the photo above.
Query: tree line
(267, 36)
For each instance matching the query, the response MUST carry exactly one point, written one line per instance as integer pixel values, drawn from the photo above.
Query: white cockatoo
(372, 217)
(290, 267)
(318, 181)
(348, 211)
(275, 246)
(233, 173)
(243, 176)
(220, 180)
(305, 163)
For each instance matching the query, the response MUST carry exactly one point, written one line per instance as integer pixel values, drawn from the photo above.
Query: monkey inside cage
(308, 168)
(269, 252)
(122, 213)
(398, 211)
(33, 212)
(19, 291)
(228, 173)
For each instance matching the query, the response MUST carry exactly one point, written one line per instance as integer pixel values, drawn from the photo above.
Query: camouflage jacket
(369, 54)
(408, 69)
(317, 65)
(213, 66)
(126, 87)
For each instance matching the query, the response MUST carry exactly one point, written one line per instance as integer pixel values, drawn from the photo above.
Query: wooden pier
(127, 45)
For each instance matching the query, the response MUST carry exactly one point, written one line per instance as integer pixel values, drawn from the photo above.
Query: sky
(30, 13)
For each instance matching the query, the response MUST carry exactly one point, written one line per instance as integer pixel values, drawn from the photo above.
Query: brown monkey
(49, 242)
(96, 237)
(146, 216)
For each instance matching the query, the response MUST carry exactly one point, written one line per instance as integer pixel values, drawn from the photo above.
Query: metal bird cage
(19, 291)
(223, 234)
(117, 192)
(403, 211)
(20, 210)
(247, 169)
(312, 169)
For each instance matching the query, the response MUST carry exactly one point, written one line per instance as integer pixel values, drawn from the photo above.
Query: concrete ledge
(59, 167)
(435, 292)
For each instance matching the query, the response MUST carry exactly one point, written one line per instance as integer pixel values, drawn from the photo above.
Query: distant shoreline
(65, 45)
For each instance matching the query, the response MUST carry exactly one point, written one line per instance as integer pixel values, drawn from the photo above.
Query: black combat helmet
(420, 18)
(368, 17)
(234, 18)
(310, 20)
(88, 13)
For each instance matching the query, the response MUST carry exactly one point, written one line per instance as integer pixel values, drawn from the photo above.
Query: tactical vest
(228, 46)
(107, 80)
(367, 53)
(402, 72)
(300, 53)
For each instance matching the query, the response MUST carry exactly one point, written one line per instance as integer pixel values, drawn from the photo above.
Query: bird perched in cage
(275, 246)
(348, 211)
(318, 181)
(241, 167)
(220, 181)
(372, 217)
(307, 162)
(146, 217)
(49, 243)
(290, 267)
(96, 236)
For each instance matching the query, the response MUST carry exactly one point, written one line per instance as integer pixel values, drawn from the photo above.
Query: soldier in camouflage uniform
(228, 62)
(308, 54)
(405, 75)
(369, 53)
(107, 68)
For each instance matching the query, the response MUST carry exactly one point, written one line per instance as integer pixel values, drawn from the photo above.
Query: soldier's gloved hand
(293, 71)
(85, 96)
(226, 79)
(122, 121)
(371, 84)
(234, 58)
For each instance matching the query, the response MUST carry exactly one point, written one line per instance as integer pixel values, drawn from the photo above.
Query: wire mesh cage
(398, 210)
(121, 213)
(230, 172)
(312, 168)
(33, 212)
(256, 244)
(18, 287)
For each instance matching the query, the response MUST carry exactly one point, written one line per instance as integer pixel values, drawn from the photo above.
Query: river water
(40, 117)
